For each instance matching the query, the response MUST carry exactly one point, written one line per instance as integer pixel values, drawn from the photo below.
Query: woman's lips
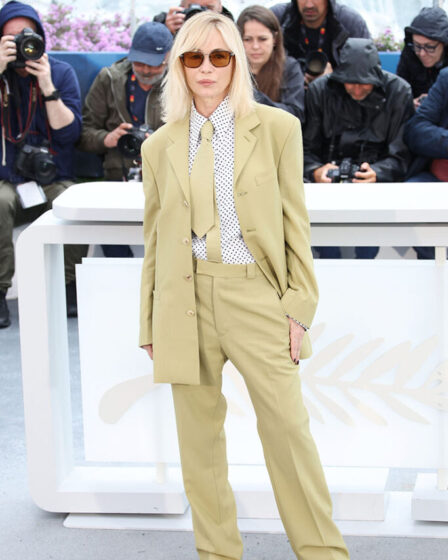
(206, 82)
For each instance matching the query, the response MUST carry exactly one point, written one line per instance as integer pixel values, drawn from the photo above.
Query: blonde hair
(176, 95)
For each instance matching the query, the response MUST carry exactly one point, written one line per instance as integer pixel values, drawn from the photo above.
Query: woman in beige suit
(228, 275)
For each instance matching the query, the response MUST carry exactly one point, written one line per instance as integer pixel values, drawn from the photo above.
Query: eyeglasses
(218, 58)
(430, 49)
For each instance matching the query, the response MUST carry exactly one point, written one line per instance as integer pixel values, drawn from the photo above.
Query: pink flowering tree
(67, 32)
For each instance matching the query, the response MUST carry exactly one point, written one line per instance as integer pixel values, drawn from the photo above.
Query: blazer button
(191, 313)
(188, 277)
(186, 241)
(186, 204)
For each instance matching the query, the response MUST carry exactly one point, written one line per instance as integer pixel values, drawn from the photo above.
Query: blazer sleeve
(151, 213)
(300, 299)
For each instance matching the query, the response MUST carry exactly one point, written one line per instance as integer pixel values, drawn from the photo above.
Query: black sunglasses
(218, 58)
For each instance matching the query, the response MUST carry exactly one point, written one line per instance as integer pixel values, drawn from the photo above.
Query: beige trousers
(240, 318)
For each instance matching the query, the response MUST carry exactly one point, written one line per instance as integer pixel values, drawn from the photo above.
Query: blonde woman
(228, 275)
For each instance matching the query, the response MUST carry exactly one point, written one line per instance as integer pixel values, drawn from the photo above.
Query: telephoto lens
(315, 63)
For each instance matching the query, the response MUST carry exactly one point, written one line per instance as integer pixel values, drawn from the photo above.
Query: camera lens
(316, 62)
(130, 145)
(32, 49)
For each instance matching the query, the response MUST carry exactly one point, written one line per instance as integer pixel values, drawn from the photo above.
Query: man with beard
(125, 95)
(318, 27)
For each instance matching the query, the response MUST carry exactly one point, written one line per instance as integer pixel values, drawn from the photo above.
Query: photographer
(356, 112)
(40, 121)
(123, 98)
(176, 15)
(315, 30)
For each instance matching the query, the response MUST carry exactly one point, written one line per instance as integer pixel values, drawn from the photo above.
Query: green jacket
(105, 108)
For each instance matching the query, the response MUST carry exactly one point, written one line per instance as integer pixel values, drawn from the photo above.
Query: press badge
(31, 194)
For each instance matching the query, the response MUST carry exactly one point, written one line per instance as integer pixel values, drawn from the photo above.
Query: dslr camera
(37, 163)
(192, 10)
(344, 173)
(30, 46)
(129, 144)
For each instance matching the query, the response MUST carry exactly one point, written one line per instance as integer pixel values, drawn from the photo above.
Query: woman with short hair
(425, 51)
(228, 275)
(278, 78)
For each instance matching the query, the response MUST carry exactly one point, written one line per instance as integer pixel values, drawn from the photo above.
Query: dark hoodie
(433, 24)
(370, 130)
(65, 81)
(342, 22)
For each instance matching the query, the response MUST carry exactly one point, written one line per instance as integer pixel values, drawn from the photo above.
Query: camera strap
(5, 113)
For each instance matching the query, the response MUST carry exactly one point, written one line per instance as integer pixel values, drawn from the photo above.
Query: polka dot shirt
(233, 248)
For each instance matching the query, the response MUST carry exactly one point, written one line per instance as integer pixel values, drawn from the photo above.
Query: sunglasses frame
(230, 53)
(417, 47)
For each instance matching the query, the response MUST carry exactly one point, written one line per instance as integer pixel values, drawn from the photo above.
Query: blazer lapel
(244, 142)
(178, 154)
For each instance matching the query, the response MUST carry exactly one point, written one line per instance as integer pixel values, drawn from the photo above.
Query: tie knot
(207, 131)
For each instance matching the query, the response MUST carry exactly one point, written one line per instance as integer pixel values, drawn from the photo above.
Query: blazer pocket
(269, 178)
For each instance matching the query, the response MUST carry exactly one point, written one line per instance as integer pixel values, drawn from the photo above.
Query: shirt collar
(221, 119)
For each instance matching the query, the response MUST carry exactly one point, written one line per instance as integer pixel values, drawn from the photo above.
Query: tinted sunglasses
(218, 58)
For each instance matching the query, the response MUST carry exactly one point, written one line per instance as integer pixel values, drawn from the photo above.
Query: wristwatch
(53, 96)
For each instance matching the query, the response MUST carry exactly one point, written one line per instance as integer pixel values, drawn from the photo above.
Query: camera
(129, 144)
(344, 173)
(315, 63)
(193, 9)
(37, 163)
(30, 46)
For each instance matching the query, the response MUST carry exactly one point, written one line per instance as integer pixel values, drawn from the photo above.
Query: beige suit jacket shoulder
(270, 204)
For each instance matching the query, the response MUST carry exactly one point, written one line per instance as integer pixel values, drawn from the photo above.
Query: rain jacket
(65, 81)
(427, 132)
(105, 109)
(342, 22)
(433, 24)
(370, 130)
(292, 91)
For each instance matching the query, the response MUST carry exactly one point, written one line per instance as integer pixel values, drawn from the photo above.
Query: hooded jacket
(342, 22)
(105, 109)
(370, 130)
(433, 24)
(65, 81)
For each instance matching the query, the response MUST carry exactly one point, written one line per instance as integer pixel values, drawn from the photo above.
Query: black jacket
(370, 130)
(342, 22)
(292, 91)
(431, 23)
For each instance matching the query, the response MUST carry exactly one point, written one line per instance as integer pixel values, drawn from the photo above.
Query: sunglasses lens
(192, 59)
(220, 58)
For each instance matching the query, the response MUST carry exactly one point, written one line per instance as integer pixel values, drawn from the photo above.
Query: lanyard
(321, 40)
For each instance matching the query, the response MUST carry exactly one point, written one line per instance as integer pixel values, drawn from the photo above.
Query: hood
(15, 9)
(295, 8)
(431, 23)
(359, 64)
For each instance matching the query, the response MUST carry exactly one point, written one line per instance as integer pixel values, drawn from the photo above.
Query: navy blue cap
(150, 43)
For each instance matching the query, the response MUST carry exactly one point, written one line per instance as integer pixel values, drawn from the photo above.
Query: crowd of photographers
(313, 58)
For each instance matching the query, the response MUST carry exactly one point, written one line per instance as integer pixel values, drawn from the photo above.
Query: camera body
(129, 144)
(37, 163)
(192, 10)
(344, 173)
(30, 46)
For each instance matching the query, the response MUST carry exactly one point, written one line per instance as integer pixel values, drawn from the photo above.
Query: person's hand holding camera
(8, 51)
(365, 174)
(175, 18)
(308, 78)
(320, 174)
(40, 68)
(111, 140)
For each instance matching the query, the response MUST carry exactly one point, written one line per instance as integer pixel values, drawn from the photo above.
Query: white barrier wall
(372, 387)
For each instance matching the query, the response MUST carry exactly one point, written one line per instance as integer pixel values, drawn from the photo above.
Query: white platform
(429, 503)
(398, 523)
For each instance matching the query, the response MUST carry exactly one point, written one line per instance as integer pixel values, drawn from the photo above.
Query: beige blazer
(270, 204)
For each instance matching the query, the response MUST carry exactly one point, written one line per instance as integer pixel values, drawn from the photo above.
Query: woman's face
(259, 43)
(209, 83)
(421, 46)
